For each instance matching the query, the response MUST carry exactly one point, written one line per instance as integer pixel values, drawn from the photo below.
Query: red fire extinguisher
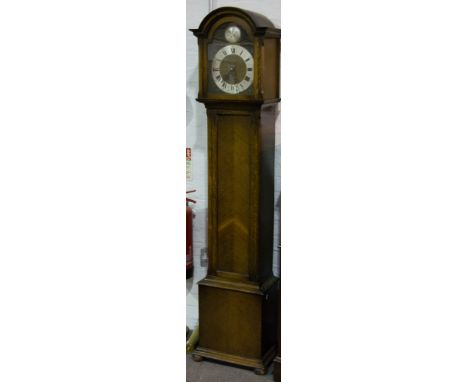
(189, 237)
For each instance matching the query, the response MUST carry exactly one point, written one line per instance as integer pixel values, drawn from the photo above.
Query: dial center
(233, 69)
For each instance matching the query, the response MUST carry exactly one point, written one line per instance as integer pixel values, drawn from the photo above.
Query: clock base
(237, 322)
(259, 365)
(277, 369)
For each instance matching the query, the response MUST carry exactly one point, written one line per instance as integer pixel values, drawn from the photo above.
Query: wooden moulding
(260, 366)
(241, 286)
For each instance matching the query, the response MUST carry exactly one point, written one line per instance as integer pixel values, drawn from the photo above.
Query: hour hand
(232, 73)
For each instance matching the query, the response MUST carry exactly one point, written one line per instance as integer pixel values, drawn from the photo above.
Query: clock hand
(232, 73)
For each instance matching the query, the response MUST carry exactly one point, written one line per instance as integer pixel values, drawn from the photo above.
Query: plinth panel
(230, 321)
(237, 325)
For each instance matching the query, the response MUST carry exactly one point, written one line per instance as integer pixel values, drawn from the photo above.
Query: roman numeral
(224, 52)
(247, 59)
(218, 77)
(223, 85)
(247, 78)
(248, 69)
(233, 50)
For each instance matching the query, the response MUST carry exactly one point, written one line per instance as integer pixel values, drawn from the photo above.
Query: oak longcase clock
(239, 57)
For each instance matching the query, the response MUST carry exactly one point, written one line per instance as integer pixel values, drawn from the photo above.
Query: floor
(210, 371)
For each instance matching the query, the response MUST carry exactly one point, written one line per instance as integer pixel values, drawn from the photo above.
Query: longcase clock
(239, 61)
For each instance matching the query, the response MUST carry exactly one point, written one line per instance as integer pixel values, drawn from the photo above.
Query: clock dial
(232, 69)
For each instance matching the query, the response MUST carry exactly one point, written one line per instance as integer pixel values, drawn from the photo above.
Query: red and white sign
(188, 158)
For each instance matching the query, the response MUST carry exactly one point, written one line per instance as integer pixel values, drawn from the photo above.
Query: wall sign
(188, 168)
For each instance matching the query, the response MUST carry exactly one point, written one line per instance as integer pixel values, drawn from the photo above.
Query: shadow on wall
(189, 285)
(196, 115)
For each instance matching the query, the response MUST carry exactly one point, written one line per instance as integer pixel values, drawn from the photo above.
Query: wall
(197, 140)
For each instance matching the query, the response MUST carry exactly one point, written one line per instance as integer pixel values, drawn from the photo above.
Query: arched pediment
(259, 24)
